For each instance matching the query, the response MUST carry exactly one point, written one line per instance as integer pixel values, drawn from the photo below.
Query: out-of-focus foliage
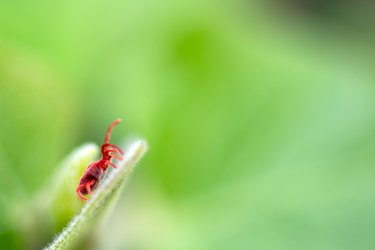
(259, 116)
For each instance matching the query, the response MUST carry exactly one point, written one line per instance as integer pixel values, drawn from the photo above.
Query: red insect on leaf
(95, 171)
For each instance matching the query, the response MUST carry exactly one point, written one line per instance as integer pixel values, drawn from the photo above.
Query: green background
(259, 117)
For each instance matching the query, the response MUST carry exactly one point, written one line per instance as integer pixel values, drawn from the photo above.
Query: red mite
(95, 171)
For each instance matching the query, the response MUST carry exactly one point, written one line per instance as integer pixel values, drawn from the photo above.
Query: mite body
(95, 171)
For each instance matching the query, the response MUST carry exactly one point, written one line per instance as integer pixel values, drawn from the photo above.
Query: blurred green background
(259, 117)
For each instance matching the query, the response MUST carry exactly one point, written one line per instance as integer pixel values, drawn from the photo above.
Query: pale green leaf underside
(101, 198)
(63, 185)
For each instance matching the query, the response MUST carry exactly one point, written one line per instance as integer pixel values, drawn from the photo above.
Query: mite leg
(109, 146)
(113, 165)
(115, 147)
(78, 190)
(117, 157)
(88, 188)
(115, 154)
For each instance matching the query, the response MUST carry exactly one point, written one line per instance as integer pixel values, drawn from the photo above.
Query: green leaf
(63, 185)
(100, 200)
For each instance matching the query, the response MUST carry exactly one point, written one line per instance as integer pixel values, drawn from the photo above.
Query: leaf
(57, 202)
(63, 185)
(99, 201)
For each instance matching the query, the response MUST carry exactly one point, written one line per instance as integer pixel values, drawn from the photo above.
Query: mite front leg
(117, 157)
(114, 153)
(113, 165)
(117, 148)
(112, 147)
